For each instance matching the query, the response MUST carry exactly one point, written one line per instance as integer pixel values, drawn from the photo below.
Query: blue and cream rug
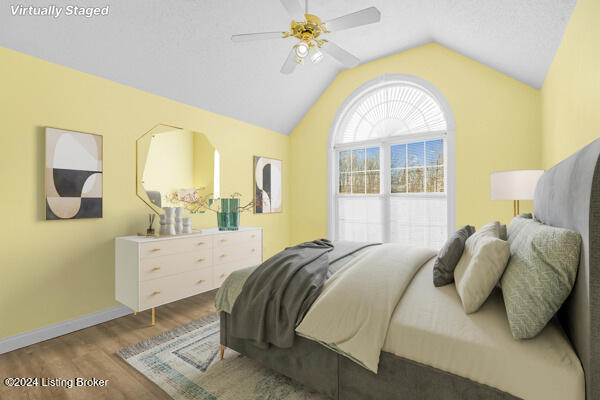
(185, 363)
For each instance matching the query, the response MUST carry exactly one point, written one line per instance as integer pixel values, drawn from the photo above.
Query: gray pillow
(540, 274)
(450, 253)
(502, 234)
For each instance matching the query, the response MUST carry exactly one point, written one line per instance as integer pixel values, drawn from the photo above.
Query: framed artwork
(73, 174)
(267, 185)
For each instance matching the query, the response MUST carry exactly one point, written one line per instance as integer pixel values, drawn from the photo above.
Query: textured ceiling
(180, 49)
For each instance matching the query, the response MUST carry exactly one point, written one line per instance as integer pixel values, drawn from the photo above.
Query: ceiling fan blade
(290, 63)
(340, 54)
(294, 8)
(249, 37)
(363, 17)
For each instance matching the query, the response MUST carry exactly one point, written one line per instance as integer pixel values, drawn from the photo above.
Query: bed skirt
(339, 378)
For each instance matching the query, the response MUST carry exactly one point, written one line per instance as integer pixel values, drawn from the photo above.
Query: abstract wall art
(267, 185)
(73, 175)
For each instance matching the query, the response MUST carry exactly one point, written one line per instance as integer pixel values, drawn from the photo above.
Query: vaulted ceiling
(181, 49)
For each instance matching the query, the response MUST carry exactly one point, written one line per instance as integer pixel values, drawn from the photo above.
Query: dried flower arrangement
(208, 203)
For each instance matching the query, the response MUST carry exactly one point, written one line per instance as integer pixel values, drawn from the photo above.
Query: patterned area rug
(185, 363)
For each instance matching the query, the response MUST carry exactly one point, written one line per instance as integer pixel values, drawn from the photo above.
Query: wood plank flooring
(90, 353)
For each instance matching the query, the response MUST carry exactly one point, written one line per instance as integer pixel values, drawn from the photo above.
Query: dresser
(150, 271)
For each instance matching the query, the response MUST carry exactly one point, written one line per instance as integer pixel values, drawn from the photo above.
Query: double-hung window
(391, 169)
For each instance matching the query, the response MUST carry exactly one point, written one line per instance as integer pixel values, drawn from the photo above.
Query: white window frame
(385, 144)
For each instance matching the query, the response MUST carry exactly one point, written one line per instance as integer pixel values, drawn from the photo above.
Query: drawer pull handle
(253, 249)
(155, 268)
(224, 275)
(223, 255)
(201, 259)
(223, 240)
(201, 281)
(155, 249)
(155, 293)
(253, 236)
(200, 243)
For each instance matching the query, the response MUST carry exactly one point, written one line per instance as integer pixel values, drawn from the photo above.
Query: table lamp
(514, 185)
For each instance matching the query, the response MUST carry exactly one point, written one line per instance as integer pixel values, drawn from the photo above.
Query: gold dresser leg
(222, 350)
(153, 316)
(135, 313)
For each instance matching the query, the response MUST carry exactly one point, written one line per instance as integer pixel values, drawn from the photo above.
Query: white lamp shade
(514, 185)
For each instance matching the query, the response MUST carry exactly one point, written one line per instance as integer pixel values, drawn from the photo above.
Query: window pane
(358, 182)
(435, 179)
(399, 180)
(398, 156)
(416, 154)
(345, 161)
(434, 150)
(373, 182)
(416, 180)
(373, 159)
(345, 183)
(358, 160)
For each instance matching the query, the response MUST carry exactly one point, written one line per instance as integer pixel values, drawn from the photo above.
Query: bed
(433, 350)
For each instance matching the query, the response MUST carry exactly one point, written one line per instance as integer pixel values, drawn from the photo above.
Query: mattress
(429, 326)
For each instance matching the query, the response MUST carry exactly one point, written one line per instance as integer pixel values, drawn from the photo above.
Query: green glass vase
(228, 219)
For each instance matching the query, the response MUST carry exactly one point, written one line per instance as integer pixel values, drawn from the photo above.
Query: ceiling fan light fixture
(301, 50)
(315, 54)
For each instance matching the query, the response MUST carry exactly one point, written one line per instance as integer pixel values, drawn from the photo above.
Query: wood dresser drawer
(174, 246)
(227, 239)
(170, 264)
(221, 272)
(235, 252)
(174, 287)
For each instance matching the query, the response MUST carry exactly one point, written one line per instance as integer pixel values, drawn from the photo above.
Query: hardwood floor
(90, 353)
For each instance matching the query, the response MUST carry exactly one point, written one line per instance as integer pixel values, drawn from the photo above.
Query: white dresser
(150, 272)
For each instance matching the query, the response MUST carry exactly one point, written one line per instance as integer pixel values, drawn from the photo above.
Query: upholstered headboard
(568, 196)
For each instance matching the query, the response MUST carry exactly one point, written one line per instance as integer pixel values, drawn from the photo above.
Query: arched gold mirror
(175, 166)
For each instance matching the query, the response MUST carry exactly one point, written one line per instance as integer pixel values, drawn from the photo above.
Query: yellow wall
(497, 128)
(571, 91)
(53, 271)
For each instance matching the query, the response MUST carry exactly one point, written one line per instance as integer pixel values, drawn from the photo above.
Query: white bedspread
(353, 312)
(429, 326)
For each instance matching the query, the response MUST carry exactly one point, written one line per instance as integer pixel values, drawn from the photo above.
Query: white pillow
(481, 266)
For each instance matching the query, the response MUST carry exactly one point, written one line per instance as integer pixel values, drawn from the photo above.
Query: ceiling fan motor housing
(308, 31)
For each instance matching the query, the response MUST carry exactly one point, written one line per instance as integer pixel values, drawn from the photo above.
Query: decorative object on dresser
(514, 185)
(178, 219)
(150, 272)
(170, 220)
(150, 230)
(267, 185)
(163, 225)
(73, 174)
(187, 225)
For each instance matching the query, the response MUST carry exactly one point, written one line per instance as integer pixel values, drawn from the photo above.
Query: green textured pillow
(540, 274)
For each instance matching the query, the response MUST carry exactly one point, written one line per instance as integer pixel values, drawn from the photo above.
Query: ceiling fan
(307, 28)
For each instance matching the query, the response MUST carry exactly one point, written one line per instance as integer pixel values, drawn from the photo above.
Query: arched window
(391, 164)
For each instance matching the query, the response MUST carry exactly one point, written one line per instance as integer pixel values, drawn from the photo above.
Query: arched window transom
(393, 110)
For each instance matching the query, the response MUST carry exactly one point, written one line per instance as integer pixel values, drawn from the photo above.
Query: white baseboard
(48, 332)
